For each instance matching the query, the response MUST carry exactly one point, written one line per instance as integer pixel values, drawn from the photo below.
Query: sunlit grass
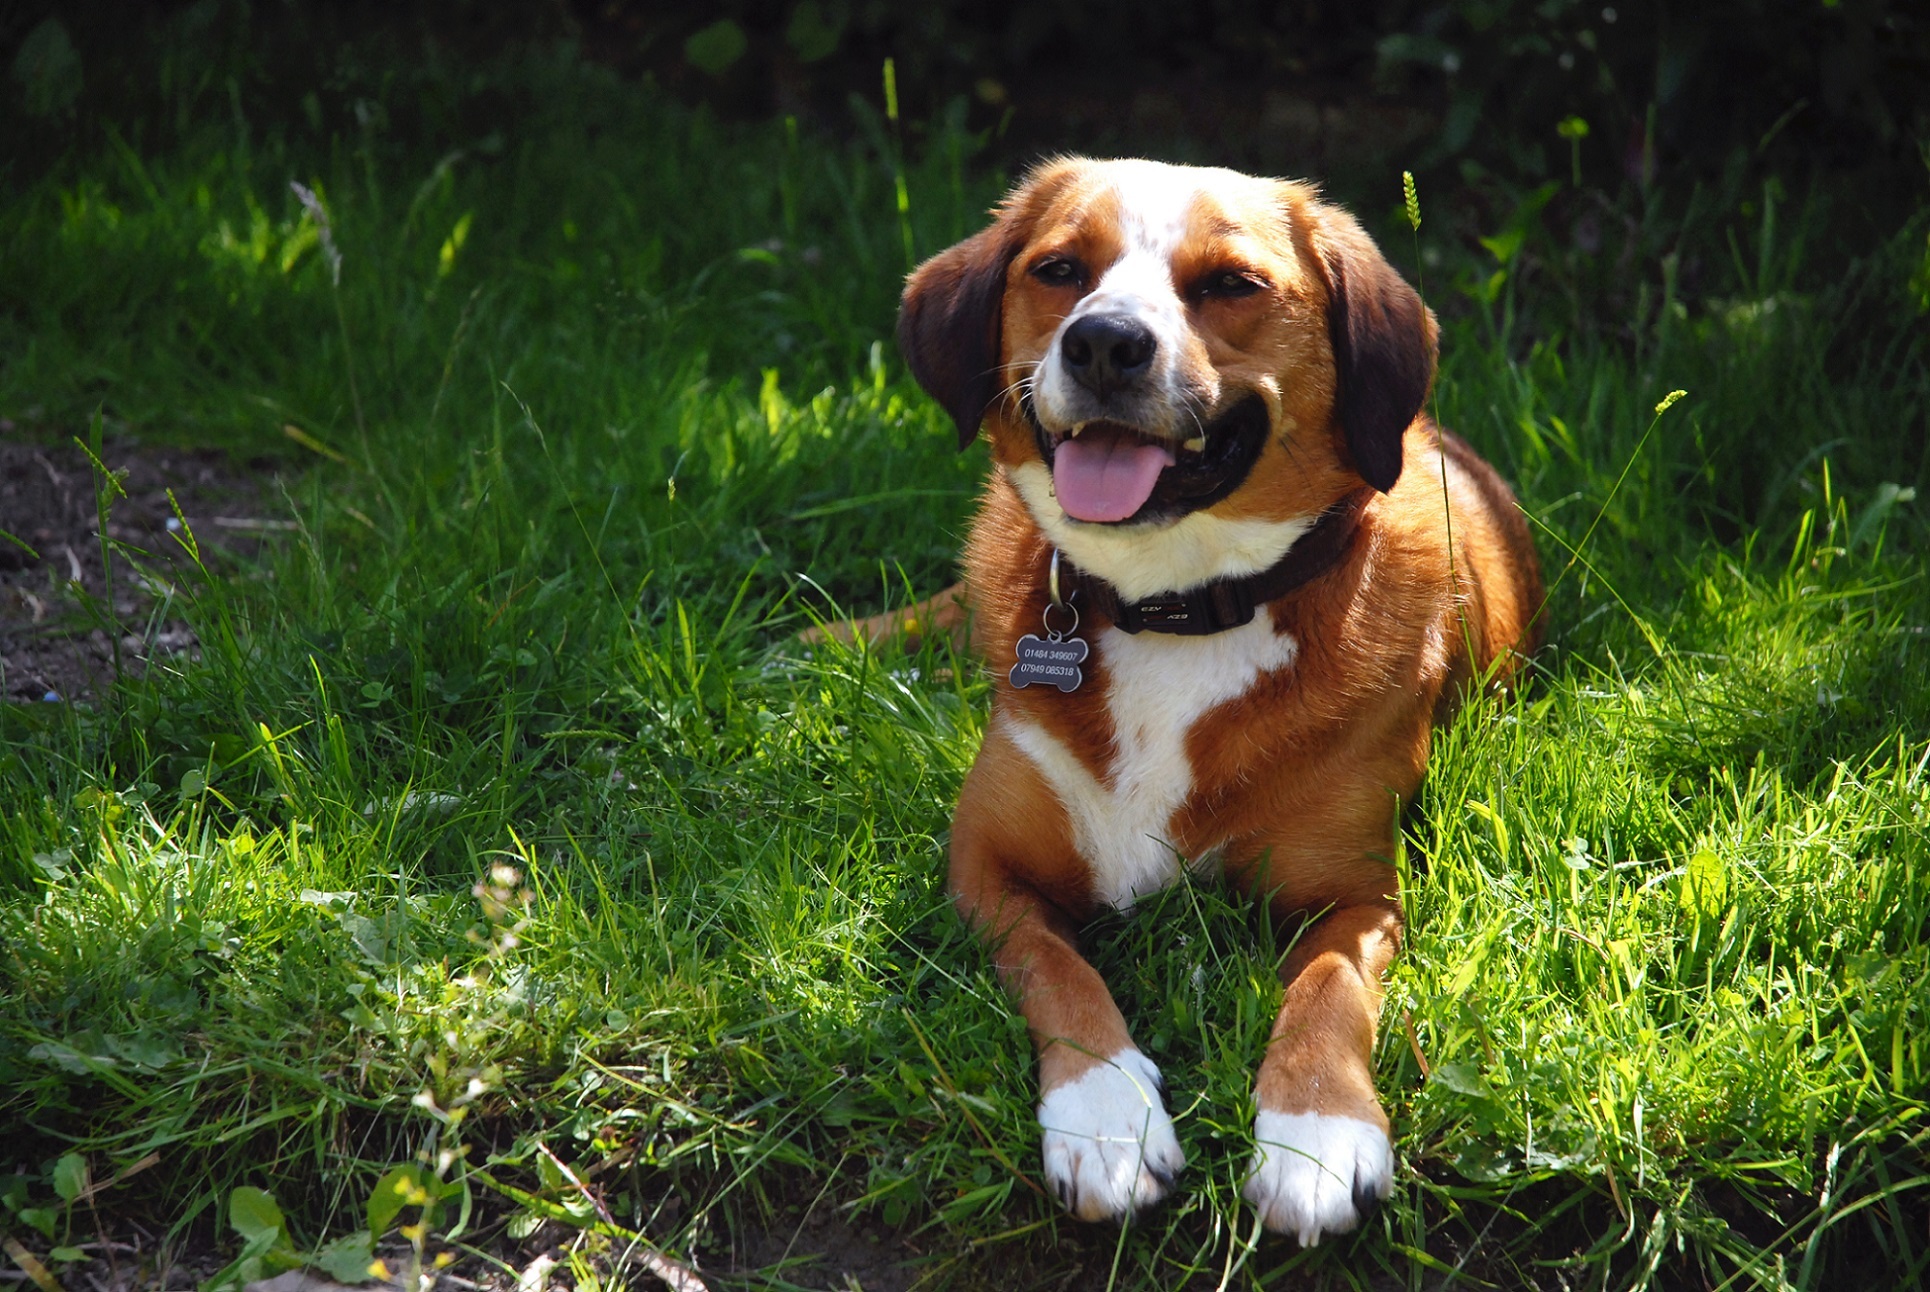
(628, 417)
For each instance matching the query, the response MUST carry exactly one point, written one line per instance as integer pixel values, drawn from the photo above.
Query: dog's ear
(1384, 340)
(949, 320)
(948, 324)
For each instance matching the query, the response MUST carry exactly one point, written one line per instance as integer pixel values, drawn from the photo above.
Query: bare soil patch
(58, 626)
(818, 1254)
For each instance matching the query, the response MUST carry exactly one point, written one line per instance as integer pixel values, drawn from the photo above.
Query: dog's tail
(944, 615)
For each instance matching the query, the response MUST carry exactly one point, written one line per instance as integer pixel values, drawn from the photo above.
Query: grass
(501, 812)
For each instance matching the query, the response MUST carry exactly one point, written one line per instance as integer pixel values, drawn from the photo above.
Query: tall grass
(628, 417)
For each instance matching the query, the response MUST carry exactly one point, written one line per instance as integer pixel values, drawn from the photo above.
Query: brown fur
(1301, 778)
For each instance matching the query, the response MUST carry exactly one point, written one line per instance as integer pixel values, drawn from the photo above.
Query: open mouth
(1111, 473)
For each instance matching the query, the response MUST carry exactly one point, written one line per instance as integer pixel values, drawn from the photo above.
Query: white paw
(1314, 1174)
(1109, 1145)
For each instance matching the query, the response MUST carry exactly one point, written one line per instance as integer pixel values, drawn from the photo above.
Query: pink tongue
(1104, 477)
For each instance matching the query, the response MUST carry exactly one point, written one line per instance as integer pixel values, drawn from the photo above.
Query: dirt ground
(815, 1251)
(57, 628)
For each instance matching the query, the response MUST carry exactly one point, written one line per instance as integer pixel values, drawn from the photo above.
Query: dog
(1227, 576)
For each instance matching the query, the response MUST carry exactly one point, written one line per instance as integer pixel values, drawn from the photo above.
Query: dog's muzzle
(1111, 472)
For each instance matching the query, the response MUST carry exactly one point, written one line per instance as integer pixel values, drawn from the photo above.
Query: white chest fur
(1159, 687)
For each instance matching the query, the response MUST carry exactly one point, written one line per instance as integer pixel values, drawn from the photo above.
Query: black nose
(1108, 352)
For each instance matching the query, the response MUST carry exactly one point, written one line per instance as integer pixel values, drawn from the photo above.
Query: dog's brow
(1216, 225)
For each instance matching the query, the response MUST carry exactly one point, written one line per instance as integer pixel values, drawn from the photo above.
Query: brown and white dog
(1203, 393)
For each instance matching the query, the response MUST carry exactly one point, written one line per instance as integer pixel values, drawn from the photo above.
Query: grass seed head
(319, 214)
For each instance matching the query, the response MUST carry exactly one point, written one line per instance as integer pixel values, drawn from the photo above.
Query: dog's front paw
(1316, 1174)
(1109, 1145)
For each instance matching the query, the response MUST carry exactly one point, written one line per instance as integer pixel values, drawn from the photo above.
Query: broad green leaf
(254, 1215)
(1705, 885)
(401, 1187)
(70, 1176)
(347, 1259)
(1462, 1078)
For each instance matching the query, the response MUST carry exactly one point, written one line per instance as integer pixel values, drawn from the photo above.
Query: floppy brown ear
(949, 319)
(1384, 340)
(948, 324)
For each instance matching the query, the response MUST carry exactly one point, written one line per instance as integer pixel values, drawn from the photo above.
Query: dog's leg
(1323, 1159)
(1109, 1144)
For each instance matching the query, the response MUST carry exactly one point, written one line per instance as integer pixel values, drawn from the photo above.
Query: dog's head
(1179, 368)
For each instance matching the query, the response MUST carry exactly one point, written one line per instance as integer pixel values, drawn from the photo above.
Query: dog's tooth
(1076, 428)
(1195, 445)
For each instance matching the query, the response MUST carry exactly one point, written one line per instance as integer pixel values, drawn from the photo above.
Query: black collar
(1228, 603)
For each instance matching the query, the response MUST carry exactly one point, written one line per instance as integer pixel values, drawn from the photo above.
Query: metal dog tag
(1051, 661)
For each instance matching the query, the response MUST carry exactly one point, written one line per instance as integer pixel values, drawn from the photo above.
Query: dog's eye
(1227, 283)
(1059, 272)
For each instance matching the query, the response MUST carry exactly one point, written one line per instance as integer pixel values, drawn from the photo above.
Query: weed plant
(502, 833)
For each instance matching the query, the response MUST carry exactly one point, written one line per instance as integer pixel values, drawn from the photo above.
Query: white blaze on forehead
(1154, 202)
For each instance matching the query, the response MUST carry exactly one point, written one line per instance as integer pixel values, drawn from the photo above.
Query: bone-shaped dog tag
(1050, 661)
